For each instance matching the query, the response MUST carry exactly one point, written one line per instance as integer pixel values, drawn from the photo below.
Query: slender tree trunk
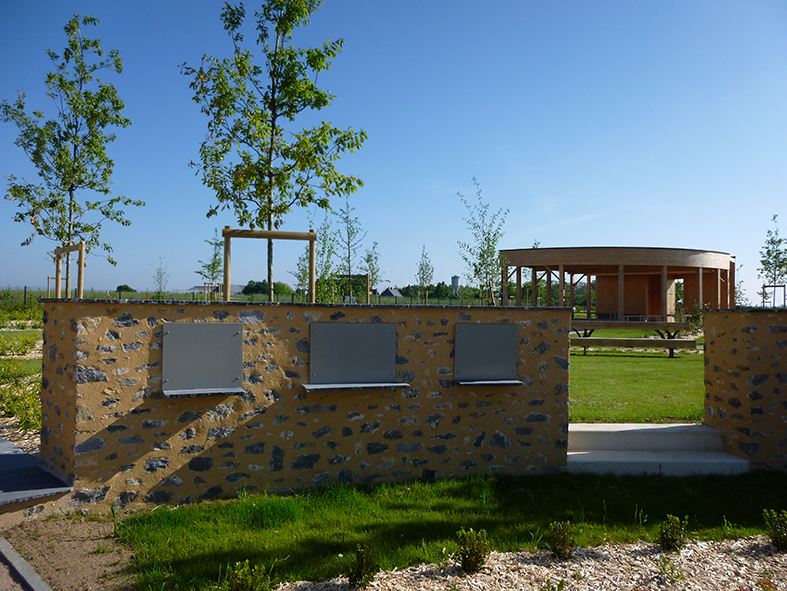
(270, 259)
(70, 239)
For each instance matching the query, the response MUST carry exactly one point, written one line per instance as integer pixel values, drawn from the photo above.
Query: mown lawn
(314, 535)
(634, 387)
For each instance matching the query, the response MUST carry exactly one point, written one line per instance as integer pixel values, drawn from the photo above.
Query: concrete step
(665, 463)
(643, 437)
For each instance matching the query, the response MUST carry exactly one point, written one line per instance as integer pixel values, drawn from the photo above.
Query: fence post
(25, 299)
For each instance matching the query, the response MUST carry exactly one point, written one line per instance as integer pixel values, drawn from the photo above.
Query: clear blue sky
(596, 123)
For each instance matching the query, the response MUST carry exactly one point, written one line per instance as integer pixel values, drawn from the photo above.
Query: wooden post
(518, 285)
(312, 267)
(534, 286)
(718, 288)
(549, 288)
(621, 294)
(227, 247)
(561, 298)
(700, 303)
(504, 269)
(81, 271)
(571, 290)
(590, 295)
(57, 275)
(731, 286)
(664, 292)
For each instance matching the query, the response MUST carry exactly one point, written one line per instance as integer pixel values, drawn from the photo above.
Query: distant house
(234, 289)
(391, 292)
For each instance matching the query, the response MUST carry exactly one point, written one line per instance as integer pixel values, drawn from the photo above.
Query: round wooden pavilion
(630, 283)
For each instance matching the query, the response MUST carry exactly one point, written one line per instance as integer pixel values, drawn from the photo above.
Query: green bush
(363, 568)
(244, 577)
(672, 533)
(21, 399)
(561, 538)
(17, 344)
(474, 547)
(776, 526)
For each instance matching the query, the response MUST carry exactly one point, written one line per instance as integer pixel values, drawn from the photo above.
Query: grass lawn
(314, 535)
(634, 387)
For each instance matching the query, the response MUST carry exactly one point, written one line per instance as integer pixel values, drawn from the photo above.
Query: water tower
(455, 284)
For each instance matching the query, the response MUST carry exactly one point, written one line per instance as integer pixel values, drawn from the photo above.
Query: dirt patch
(74, 554)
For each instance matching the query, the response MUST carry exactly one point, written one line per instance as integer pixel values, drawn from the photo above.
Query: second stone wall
(109, 430)
(745, 381)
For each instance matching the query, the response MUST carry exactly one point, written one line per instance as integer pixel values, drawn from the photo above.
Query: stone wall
(745, 378)
(109, 430)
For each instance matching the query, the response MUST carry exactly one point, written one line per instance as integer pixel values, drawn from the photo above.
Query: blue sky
(595, 123)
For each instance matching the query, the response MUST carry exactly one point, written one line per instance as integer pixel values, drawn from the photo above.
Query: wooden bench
(670, 329)
(669, 343)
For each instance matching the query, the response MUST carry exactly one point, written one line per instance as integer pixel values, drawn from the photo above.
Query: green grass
(313, 536)
(14, 369)
(18, 342)
(633, 387)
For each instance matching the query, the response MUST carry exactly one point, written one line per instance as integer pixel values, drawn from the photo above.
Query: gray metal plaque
(202, 358)
(485, 353)
(352, 353)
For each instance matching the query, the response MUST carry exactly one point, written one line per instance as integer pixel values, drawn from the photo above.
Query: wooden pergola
(631, 283)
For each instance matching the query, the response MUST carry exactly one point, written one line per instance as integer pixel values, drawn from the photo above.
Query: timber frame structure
(630, 283)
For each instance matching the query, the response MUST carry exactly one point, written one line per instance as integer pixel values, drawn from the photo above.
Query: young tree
(481, 254)
(257, 165)
(212, 270)
(425, 274)
(371, 266)
(69, 151)
(350, 238)
(325, 252)
(161, 276)
(773, 260)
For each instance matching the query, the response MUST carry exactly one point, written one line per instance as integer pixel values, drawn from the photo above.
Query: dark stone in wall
(480, 439)
(90, 495)
(277, 459)
(322, 432)
(313, 408)
(202, 464)
(748, 448)
(156, 464)
(437, 449)
(338, 316)
(236, 476)
(427, 474)
(250, 316)
(220, 314)
(255, 449)
(158, 497)
(211, 493)
(117, 428)
(347, 432)
(153, 423)
(374, 447)
(756, 380)
(305, 461)
(393, 434)
(133, 440)
(302, 346)
(125, 498)
(469, 464)
(90, 445)
(537, 417)
(371, 427)
(541, 348)
(125, 321)
(433, 420)
(219, 432)
(499, 439)
(86, 375)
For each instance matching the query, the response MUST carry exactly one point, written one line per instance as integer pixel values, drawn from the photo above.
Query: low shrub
(363, 568)
(561, 539)
(672, 533)
(776, 526)
(244, 577)
(474, 547)
(17, 344)
(21, 399)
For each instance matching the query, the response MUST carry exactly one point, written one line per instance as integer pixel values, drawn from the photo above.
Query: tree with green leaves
(773, 261)
(325, 252)
(255, 161)
(69, 151)
(212, 269)
(371, 266)
(350, 237)
(425, 274)
(481, 254)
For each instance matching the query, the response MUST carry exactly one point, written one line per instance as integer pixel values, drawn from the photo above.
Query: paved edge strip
(20, 566)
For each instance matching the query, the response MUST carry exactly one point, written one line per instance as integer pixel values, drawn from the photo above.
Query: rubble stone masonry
(745, 381)
(110, 431)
